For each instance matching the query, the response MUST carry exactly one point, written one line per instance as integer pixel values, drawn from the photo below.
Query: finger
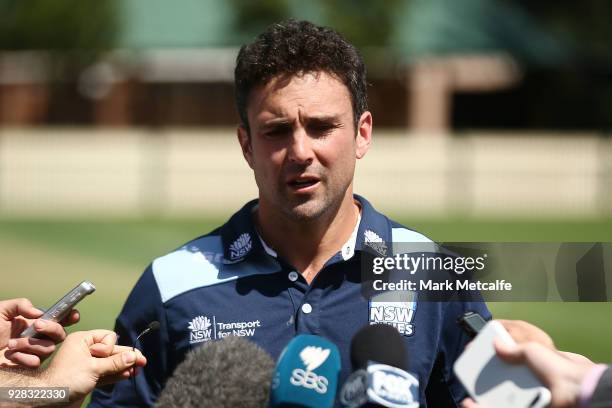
(523, 332)
(576, 358)
(73, 317)
(19, 307)
(99, 336)
(115, 364)
(469, 403)
(141, 361)
(50, 329)
(101, 350)
(39, 347)
(23, 359)
(510, 353)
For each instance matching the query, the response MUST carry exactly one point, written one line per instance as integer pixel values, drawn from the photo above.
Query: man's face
(303, 144)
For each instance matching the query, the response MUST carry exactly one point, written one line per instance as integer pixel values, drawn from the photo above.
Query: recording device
(62, 307)
(472, 323)
(494, 383)
(380, 377)
(306, 373)
(232, 372)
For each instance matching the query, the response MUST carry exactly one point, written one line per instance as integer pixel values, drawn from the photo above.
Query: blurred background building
(481, 107)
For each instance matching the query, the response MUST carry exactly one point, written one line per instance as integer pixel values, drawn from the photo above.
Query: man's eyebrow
(324, 119)
(276, 122)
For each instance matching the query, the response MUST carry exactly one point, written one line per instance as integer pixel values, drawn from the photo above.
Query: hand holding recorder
(15, 316)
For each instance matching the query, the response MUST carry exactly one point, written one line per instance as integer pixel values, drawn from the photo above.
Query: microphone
(380, 379)
(154, 325)
(306, 373)
(232, 372)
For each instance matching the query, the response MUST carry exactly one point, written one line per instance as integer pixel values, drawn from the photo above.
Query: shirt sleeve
(142, 307)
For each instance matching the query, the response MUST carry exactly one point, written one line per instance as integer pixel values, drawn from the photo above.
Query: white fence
(85, 172)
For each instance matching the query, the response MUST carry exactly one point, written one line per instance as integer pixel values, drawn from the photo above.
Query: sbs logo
(312, 357)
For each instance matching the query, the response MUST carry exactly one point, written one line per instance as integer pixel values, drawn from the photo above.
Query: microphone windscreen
(306, 374)
(232, 372)
(380, 343)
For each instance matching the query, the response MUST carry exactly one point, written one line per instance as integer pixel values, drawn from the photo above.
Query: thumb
(115, 364)
(20, 307)
(510, 353)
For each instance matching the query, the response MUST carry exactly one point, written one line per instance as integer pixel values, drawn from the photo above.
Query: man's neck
(308, 245)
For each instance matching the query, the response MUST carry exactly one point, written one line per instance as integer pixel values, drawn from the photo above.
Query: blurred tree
(252, 17)
(366, 23)
(585, 24)
(58, 24)
(363, 22)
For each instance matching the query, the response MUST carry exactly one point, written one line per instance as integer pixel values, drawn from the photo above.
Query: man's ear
(245, 144)
(364, 134)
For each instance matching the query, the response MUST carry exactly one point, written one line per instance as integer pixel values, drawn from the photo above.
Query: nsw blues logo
(395, 309)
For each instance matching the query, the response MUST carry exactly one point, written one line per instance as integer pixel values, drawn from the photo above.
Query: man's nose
(299, 150)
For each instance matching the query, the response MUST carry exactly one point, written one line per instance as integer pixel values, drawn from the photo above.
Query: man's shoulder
(401, 233)
(195, 264)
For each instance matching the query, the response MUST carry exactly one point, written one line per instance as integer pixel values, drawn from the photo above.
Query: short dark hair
(295, 47)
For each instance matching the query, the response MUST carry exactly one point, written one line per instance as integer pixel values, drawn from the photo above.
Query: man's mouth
(303, 184)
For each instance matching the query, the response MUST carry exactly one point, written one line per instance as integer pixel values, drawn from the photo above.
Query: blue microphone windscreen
(306, 373)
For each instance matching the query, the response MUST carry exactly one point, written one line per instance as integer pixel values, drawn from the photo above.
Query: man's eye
(322, 128)
(277, 132)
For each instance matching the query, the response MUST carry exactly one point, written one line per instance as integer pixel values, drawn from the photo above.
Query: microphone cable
(151, 327)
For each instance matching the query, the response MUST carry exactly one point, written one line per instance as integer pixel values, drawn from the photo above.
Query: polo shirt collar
(241, 240)
(375, 230)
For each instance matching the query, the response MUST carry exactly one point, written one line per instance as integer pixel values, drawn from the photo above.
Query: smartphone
(62, 307)
(494, 383)
(472, 323)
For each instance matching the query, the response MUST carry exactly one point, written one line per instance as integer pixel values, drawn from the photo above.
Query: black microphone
(232, 372)
(380, 377)
(154, 325)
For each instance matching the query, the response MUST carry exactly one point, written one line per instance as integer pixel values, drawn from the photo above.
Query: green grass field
(43, 259)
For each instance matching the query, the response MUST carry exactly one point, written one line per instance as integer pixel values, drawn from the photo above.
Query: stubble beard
(315, 207)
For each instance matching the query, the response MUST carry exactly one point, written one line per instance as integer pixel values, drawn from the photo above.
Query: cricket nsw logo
(241, 246)
(374, 241)
(201, 329)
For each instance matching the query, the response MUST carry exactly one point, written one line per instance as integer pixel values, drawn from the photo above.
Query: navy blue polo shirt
(230, 283)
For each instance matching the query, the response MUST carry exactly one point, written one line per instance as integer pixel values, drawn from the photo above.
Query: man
(84, 359)
(289, 262)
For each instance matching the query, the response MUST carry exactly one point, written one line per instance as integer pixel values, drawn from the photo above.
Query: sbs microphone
(380, 379)
(306, 373)
(232, 372)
